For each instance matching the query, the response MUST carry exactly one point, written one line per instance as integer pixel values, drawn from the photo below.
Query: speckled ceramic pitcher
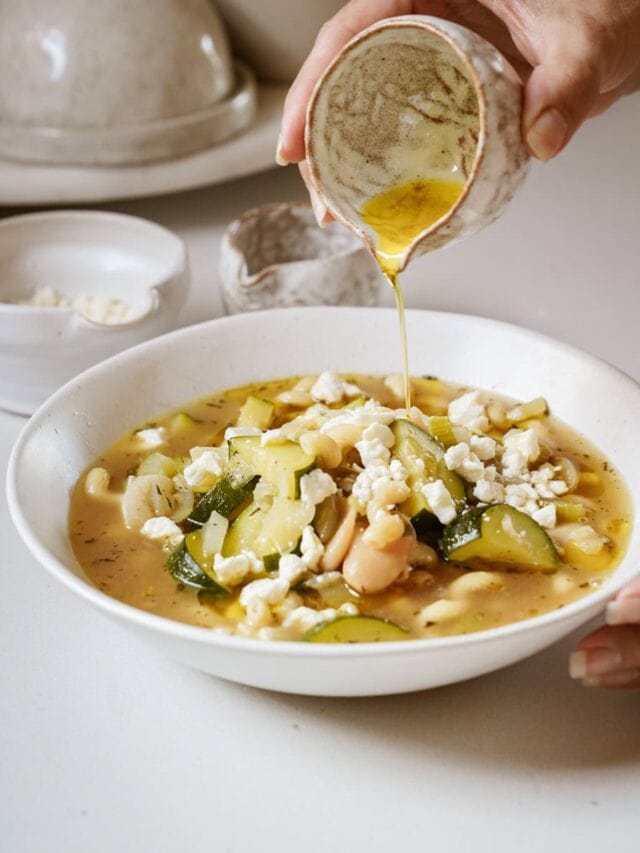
(412, 97)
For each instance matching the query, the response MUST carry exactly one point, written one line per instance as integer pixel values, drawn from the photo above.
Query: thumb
(561, 92)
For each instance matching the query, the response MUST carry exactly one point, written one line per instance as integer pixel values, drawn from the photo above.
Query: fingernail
(319, 209)
(281, 160)
(591, 682)
(593, 662)
(623, 611)
(547, 134)
(578, 665)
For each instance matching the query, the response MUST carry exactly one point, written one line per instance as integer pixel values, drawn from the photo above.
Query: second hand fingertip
(578, 665)
(612, 613)
(623, 611)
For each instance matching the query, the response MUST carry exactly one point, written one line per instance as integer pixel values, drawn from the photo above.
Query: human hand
(575, 58)
(610, 656)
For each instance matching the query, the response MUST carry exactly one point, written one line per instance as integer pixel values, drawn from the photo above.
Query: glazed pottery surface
(417, 97)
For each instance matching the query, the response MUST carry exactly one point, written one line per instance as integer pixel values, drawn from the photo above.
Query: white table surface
(106, 746)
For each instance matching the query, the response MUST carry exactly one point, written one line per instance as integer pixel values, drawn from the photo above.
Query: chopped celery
(256, 412)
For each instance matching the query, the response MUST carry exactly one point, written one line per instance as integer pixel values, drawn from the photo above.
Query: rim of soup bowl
(164, 625)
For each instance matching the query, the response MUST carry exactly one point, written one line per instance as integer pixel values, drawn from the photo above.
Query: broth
(129, 567)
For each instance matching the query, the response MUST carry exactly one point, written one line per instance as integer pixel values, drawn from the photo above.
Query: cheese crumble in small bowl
(78, 287)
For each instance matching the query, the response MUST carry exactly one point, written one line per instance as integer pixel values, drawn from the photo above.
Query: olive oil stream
(397, 216)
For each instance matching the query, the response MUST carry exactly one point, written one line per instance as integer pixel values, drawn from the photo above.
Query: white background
(106, 746)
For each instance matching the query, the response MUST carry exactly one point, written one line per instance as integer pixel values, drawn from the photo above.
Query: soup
(321, 509)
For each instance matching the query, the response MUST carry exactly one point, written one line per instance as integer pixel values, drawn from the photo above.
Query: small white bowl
(86, 416)
(80, 252)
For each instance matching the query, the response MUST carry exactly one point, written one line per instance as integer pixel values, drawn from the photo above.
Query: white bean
(337, 547)
(384, 530)
(369, 569)
(323, 447)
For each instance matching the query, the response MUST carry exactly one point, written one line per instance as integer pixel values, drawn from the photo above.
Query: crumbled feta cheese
(483, 446)
(440, 501)
(370, 413)
(240, 432)
(233, 570)
(522, 496)
(461, 459)
(291, 568)
(273, 436)
(373, 452)
(488, 491)
(416, 416)
(95, 306)
(330, 388)
(469, 411)
(291, 601)
(374, 446)
(206, 462)
(311, 418)
(316, 486)
(520, 447)
(162, 528)
(545, 516)
(311, 548)
(379, 432)
(324, 580)
(269, 590)
(545, 484)
(374, 481)
(152, 437)
(305, 618)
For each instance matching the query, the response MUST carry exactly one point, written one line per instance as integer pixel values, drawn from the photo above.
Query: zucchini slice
(158, 463)
(229, 492)
(423, 457)
(499, 534)
(256, 412)
(268, 533)
(356, 629)
(184, 568)
(282, 465)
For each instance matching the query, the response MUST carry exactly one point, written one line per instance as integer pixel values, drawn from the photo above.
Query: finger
(625, 610)
(350, 20)
(563, 88)
(322, 215)
(605, 652)
(628, 678)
